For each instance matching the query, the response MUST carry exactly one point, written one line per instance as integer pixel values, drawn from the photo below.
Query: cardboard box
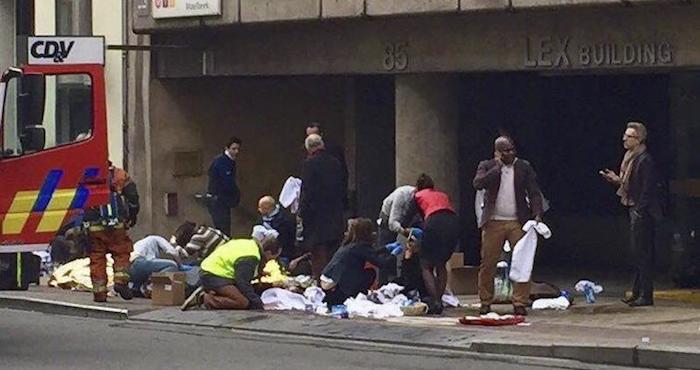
(168, 288)
(462, 280)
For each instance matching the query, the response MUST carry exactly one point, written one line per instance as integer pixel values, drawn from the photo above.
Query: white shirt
(506, 209)
(151, 246)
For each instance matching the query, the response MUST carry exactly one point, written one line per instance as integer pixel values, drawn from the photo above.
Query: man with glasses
(508, 183)
(639, 190)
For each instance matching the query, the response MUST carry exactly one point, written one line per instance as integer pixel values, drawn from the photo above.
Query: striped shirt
(204, 241)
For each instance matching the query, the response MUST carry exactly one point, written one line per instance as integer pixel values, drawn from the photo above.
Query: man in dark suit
(639, 190)
(321, 206)
(334, 150)
(223, 188)
(508, 183)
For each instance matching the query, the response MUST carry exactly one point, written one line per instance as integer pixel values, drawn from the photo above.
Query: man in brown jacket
(508, 183)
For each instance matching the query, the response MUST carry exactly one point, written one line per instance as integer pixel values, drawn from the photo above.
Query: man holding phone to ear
(638, 188)
(509, 182)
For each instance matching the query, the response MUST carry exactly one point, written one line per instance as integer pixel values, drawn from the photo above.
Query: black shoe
(196, 299)
(519, 311)
(435, 308)
(123, 291)
(641, 302)
(484, 309)
(628, 300)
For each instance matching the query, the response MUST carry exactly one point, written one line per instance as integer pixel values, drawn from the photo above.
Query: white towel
(290, 194)
(524, 251)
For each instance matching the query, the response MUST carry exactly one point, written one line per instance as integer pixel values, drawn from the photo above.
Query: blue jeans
(141, 269)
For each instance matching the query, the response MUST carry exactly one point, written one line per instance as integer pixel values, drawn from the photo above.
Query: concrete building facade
(7, 34)
(423, 86)
(87, 18)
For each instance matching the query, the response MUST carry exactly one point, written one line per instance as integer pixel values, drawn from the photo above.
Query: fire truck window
(10, 132)
(68, 115)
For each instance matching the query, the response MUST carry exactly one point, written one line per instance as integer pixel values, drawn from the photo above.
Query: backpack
(124, 195)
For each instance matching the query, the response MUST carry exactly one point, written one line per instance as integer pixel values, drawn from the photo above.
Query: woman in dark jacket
(346, 276)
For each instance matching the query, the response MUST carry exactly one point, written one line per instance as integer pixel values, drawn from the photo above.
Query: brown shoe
(484, 309)
(628, 300)
(99, 297)
(519, 311)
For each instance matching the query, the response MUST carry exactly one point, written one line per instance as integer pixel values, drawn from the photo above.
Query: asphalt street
(31, 340)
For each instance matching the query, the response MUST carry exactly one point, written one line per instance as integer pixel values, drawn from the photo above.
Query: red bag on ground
(488, 321)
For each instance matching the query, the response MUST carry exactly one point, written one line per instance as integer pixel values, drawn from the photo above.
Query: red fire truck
(53, 145)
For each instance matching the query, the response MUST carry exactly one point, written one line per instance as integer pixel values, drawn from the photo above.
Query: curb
(604, 355)
(62, 308)
(609, 355)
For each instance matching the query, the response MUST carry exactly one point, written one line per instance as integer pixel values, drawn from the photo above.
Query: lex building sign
(185, 8)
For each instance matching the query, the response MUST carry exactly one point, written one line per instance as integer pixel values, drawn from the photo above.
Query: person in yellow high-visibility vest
(227, 272)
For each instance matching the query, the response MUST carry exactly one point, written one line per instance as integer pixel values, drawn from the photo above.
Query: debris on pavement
(492, 319)
(589, 290)
(450, 300)
(561, 303)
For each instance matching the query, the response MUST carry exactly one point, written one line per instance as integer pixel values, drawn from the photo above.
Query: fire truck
(53, 146)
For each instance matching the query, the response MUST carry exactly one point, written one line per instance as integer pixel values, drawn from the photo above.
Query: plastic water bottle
(339, 311)
(589, 294)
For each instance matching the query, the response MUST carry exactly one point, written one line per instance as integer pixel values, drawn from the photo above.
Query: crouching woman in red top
(440, 238)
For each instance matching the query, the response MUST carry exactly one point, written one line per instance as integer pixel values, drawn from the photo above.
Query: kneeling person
(227, 272)
(346, 274)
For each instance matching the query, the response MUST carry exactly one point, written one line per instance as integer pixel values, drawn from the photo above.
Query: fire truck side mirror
(33, 139)
(32, 95)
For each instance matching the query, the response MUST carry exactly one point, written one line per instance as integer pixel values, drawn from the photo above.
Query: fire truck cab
(53, 141)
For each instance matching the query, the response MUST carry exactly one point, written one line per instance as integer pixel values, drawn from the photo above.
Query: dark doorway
(569, 128)
(375, 158)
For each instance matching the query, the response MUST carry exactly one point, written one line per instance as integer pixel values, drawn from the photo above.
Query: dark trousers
(220, 216)
(642, 235)
(385, 236)
(338, 295)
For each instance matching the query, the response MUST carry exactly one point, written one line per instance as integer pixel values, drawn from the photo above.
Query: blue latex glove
(394, 248)
(416, 234)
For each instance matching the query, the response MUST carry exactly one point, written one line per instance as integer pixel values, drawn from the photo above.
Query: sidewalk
(664, 336)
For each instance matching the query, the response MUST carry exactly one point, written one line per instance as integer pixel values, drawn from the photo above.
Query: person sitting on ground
(274, 217)
(346, 276)
(226, 275)
(147, 257)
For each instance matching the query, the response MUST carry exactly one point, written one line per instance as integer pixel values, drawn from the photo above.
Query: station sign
(185, 8)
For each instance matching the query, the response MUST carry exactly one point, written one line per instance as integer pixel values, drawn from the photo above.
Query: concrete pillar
(427, 116)
(7, 34)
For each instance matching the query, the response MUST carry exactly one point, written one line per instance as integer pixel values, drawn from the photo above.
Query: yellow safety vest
(222, 260)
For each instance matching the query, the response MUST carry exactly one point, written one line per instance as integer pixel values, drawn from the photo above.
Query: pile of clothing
(385, 302)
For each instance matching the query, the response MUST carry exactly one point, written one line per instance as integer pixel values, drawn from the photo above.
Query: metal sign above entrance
(564, 52)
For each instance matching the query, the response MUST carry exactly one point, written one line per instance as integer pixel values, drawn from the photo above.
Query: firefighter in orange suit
(107, 226)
